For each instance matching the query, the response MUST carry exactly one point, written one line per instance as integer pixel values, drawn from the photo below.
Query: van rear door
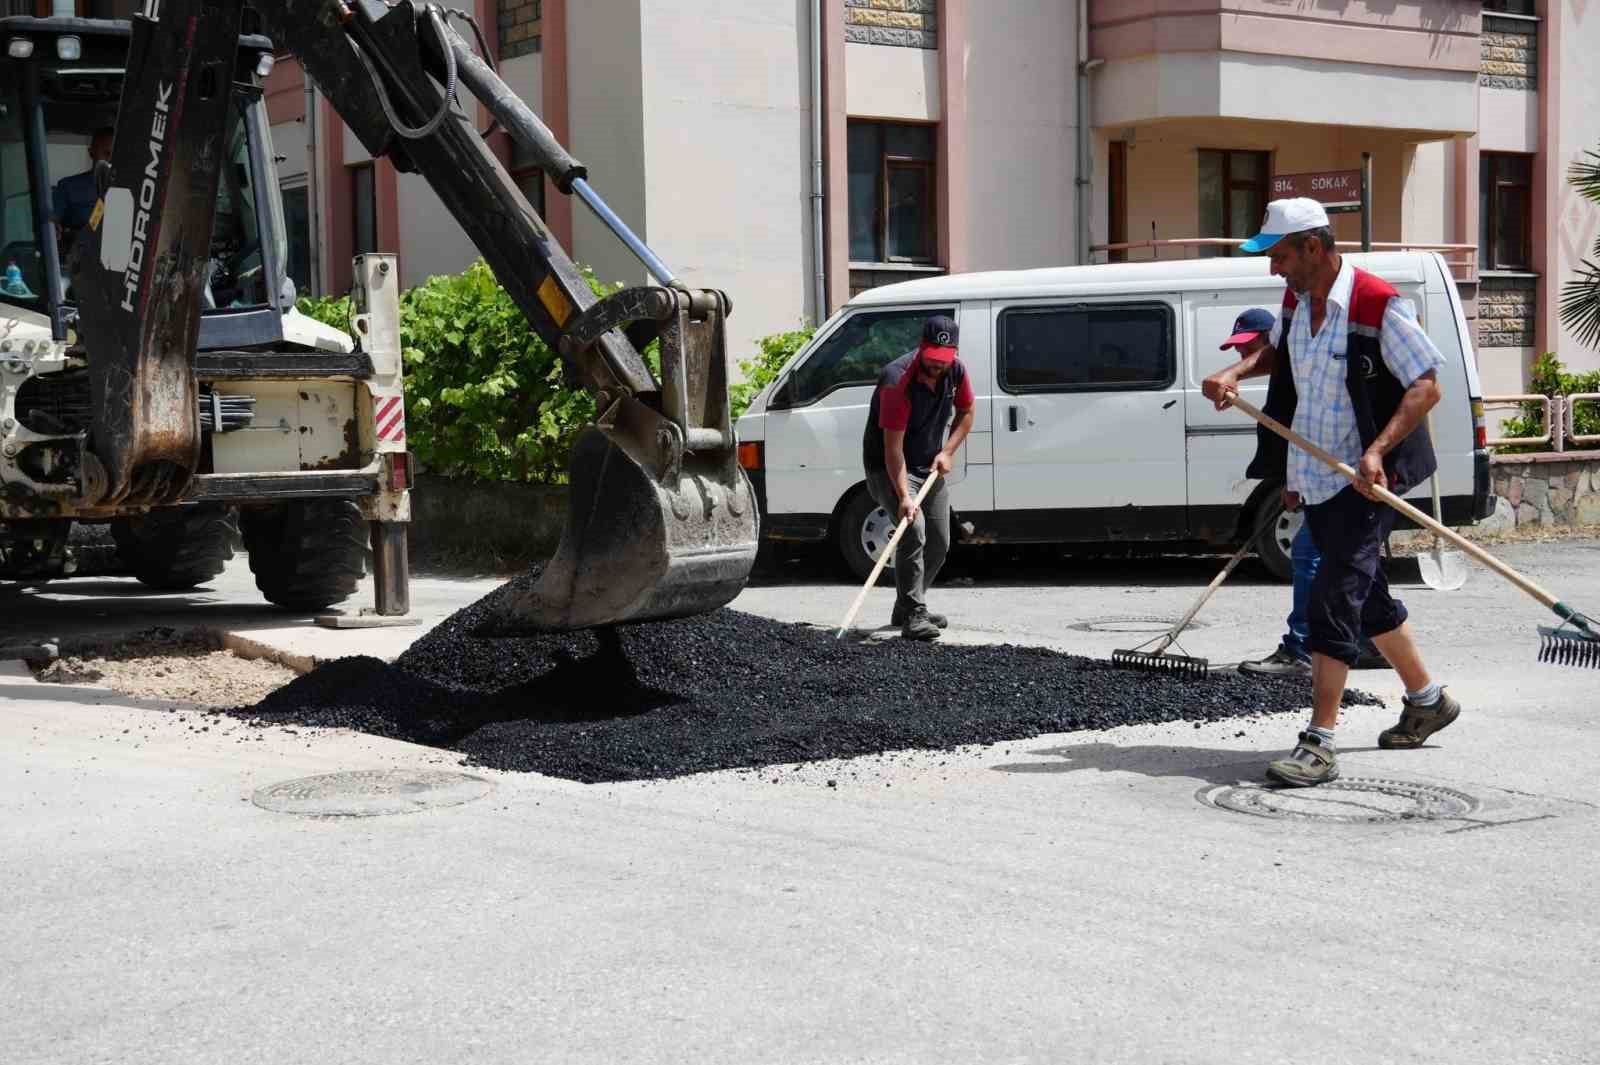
(1088, 419)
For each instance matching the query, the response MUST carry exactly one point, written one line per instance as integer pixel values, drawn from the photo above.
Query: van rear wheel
(1276, 542)
(864, 530)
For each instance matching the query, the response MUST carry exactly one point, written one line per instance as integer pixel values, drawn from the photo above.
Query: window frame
(1261, 186)
(880, 209)
(930, 228)
(1489, 257)
(786, 382)
(1169, 321)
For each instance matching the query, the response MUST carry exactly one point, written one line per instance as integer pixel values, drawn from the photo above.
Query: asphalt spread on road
(733, 690)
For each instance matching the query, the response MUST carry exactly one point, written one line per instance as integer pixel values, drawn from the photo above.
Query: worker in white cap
(1353, 371)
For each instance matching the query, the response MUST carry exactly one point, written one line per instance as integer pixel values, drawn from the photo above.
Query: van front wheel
(864, 530)
(1276, 541)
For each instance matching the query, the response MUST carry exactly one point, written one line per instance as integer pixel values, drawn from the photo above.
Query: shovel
(1442, 570)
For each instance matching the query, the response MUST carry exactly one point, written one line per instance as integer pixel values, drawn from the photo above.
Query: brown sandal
(1417, 723)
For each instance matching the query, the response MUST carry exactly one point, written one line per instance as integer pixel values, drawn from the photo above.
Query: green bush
(485, 396)
(1551, 379)
(776, 351)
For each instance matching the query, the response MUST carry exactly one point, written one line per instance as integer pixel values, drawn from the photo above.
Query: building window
(297, 221)
(893, 204)
(364, 208)
(1508, 7)
(1233, 195)
(1505, 202)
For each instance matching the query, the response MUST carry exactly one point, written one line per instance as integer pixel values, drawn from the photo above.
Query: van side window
(858, 351)
(1086, 347)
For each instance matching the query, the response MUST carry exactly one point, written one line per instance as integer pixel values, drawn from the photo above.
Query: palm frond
(1580, 303)
(1584, 175)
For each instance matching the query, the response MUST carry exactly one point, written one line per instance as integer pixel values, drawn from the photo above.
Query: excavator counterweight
(662, 520)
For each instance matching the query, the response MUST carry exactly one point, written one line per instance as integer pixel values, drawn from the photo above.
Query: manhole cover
(371, 793)
(1135, 625)
(1349, 800)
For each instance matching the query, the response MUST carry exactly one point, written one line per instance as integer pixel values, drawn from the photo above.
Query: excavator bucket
(661, 519)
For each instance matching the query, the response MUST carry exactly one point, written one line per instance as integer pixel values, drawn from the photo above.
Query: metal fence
(1560, 415)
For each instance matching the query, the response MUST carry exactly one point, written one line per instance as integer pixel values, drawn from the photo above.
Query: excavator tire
(306, 554)
(176, 548)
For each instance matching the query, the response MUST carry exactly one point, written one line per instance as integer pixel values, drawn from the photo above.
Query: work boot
(1310, 763)
(898, 618)
(1280, 663)
(1417, 723)
(918, 625)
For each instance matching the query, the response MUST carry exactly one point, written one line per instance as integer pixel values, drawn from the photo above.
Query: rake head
(1570, 645)
(1161, 662)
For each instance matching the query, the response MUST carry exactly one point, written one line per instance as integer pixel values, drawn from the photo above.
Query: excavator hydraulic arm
(662, 520)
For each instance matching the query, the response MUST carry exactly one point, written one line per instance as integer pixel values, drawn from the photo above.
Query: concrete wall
(727, 144)
(1428, 208)
(1434, 34)
(1163, 173)
(884, 81)
(606, 106)
(1173, 85)
(1021, 159)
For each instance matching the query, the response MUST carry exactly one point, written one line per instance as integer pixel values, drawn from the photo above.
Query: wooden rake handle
(1399, 504)
(884, 556)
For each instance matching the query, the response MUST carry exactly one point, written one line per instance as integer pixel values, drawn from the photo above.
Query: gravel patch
(732, 690)
(168, 664)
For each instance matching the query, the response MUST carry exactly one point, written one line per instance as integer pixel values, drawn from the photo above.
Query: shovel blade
(1443, 571)
(639, 547)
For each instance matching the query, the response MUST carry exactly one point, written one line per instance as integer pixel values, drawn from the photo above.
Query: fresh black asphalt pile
(731, 690)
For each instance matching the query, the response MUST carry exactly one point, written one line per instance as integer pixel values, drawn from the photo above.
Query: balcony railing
(1461, 258)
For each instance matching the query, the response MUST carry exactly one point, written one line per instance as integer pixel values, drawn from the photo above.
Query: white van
(1090, 422)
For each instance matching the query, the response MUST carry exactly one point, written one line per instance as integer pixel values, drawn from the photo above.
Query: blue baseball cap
(1248, 325)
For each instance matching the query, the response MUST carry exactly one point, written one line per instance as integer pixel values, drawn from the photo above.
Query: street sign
(1336, 190)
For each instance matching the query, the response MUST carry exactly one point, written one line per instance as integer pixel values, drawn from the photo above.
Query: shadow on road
(1209, 765)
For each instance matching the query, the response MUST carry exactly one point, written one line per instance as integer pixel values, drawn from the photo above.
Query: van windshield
(857, 352)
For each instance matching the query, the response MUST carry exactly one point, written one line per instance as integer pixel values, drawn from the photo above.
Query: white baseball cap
(1284, 217)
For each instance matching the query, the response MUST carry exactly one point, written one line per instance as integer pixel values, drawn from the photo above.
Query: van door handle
(1018, 415)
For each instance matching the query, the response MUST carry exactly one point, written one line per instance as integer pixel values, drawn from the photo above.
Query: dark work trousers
(1350, 595)
(920, 554)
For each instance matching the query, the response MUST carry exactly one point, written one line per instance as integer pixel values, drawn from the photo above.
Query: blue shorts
(1350, 595)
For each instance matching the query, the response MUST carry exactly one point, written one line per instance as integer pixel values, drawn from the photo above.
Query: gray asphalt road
(1066, 898)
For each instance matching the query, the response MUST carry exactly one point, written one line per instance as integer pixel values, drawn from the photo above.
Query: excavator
(662, 521)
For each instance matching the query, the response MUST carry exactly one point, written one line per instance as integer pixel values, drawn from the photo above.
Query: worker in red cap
(903, 445)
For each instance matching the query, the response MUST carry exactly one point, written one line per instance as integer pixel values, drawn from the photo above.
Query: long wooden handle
(1433, 483)
(1399, 504)
(885, 555)
(1216, 582)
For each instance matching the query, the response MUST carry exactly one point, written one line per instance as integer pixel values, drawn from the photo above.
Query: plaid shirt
(1324, 414)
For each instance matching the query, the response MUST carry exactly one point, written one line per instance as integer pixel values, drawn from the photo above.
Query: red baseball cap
(1248, 325)
(939, 339)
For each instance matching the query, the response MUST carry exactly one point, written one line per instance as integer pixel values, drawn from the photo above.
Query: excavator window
(22, 280)
(80, 113)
